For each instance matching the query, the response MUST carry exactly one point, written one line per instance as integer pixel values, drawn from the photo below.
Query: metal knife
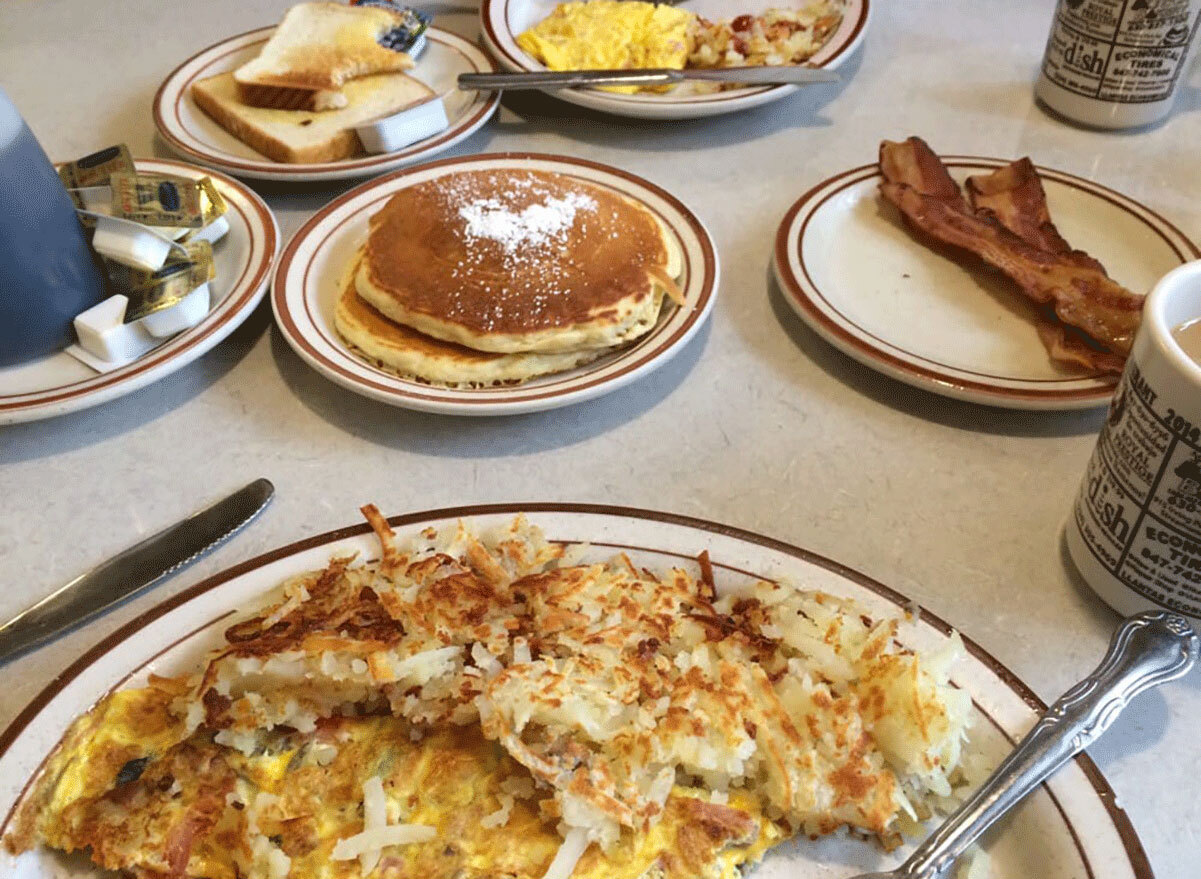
(128, 573)
(555, 79)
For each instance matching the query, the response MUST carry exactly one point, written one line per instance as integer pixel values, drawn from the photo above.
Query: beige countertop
(758, 423)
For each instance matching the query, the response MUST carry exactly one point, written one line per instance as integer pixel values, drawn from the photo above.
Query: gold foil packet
(166, 200)
(96, 169)
(149, 292)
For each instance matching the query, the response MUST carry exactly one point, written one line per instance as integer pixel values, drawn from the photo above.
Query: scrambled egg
(610, 34)
(202, 810)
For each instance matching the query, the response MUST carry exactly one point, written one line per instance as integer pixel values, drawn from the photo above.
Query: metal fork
(1147, 650)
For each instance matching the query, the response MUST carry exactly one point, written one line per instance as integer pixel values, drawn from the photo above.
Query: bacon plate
(1080, 295)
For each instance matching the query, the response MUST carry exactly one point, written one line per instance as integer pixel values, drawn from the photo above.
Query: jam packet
(404, 36)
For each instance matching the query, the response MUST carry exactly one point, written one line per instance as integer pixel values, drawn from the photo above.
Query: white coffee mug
(1135, 530)
(1117, 64)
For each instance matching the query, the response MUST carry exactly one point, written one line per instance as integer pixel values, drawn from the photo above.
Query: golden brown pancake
(410, 354)
(518, 261)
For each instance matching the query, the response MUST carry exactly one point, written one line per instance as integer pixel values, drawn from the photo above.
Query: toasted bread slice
(278, 97)
(321, 46)
(298, 136)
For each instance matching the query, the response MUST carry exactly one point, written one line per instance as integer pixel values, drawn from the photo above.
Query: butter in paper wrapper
(149, 292)
(96, 169)
(166, 200)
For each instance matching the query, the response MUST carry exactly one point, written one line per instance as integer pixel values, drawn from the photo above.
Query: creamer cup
(1135, 529)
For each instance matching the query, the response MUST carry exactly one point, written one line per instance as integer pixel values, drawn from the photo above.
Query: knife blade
(125, 575)
(555, 79)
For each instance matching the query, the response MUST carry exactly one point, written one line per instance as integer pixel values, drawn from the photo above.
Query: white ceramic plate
(191, 133)
(1070, 829)
(59, 383)
(311, 270)
(503, 20)
(852, 271)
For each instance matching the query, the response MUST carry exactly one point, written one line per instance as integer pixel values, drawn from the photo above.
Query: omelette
(610, 35)
(483, 704)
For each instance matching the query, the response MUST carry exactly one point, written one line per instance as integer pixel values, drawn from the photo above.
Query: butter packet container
(97, 168)
(399, 130)
(166, 200)
(128, 242)
(105, 340)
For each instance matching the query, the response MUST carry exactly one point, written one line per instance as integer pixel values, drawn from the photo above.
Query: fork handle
(1148, 649)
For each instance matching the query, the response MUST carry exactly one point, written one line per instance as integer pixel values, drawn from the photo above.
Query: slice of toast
(280, 97)
(321, 46)
(298, 136)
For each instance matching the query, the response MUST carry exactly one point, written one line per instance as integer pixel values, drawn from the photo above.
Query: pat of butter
(212, 233)
(97, 199)
(103, 333)
(183, 315)
(130, 243)
(406, 127)
(106, 341)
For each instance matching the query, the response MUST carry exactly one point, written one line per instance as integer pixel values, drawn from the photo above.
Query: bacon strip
(1014, 197)
(912, 163)
(1081, 296)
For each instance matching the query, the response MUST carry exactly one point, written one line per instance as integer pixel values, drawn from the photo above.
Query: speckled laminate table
(758, 423)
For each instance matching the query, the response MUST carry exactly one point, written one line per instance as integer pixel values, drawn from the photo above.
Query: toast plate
(310, 274)
(850, 268)
(1069, 829)
(242, 259)
(502, 20)
(192, 134)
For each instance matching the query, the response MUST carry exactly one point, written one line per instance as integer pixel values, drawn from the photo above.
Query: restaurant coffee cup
(1135, 530)
(48, 273)
(1115, 64)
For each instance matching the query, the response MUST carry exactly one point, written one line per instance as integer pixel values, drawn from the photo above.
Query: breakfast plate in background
(194, 135)
(242, 259)
(1070, 828)
(854, 273)
(503, 20)
(311, 275)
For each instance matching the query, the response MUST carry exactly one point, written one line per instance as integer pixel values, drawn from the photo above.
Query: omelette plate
(1070, 829)
(191, 133)
(502, 20)
(311, 272)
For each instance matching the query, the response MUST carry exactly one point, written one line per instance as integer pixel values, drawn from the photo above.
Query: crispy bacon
(1013, 196)
(912, 163)
(1081, 296)
(1066, 347)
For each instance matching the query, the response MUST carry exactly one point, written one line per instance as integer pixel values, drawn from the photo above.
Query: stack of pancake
(478, 278)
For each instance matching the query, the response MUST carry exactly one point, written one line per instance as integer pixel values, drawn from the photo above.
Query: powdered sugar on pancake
(536, 225)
